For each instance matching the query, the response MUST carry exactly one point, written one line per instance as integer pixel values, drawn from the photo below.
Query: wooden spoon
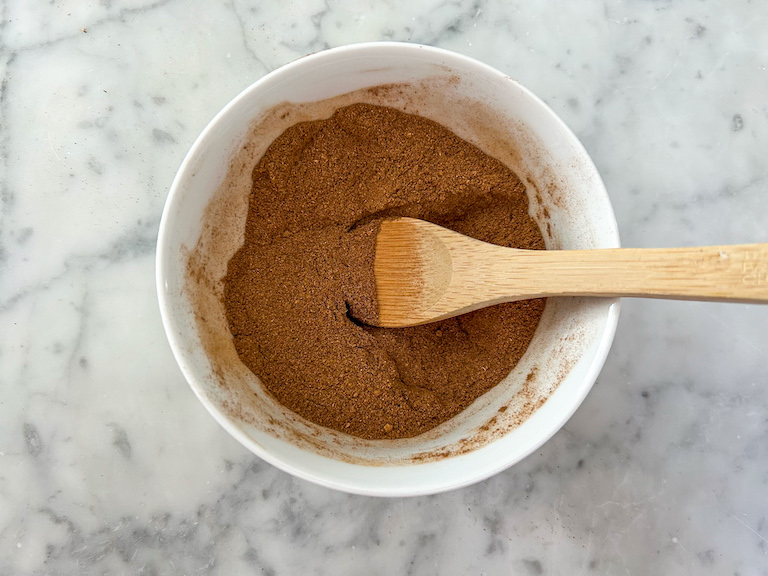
(424, 272)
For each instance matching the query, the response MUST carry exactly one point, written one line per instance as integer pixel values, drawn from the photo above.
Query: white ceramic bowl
(202, 226)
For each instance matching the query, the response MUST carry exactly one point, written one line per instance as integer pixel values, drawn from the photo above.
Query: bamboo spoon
(424, 272)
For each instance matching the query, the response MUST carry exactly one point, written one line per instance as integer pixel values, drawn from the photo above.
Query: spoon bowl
(203, 225)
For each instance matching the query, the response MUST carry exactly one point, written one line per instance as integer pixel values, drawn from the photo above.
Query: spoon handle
(737, 273)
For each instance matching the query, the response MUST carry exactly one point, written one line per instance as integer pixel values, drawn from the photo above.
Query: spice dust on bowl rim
(203, 226)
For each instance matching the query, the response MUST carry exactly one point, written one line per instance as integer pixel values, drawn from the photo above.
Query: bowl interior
(203, 226)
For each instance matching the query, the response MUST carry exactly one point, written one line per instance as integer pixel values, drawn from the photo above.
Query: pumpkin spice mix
(297, 290)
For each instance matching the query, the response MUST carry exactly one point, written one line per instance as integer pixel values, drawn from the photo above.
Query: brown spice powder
(292, 292)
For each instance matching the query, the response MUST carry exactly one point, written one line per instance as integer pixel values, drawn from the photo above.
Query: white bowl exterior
(329, 74)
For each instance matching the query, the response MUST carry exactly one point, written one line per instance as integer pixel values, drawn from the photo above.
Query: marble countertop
(110, 465)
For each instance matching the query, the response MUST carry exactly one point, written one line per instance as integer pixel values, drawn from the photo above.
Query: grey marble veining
(108, 464)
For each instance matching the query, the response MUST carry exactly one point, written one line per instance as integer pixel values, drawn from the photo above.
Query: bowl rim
(174, 195)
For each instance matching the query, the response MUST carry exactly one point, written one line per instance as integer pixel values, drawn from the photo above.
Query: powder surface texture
(291, 291)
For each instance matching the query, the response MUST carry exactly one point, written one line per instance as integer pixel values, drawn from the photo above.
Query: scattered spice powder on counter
(292, 291)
